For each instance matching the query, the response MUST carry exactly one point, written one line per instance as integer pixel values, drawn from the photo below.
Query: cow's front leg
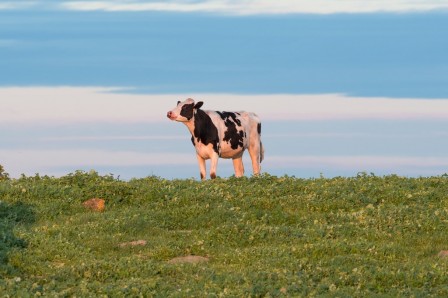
(238, 166)
(202, 169)
(213, 165)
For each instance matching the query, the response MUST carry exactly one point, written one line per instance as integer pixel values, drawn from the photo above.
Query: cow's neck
(190, 126)
(199, 124)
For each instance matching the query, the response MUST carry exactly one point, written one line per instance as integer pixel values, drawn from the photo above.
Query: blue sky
(342, 86)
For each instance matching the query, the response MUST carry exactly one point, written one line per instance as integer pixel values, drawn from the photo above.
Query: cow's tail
(259, 137)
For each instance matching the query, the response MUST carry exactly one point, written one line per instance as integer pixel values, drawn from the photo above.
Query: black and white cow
(221, 134)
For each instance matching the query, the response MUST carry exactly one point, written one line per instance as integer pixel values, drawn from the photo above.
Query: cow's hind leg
(238, 166)
(202, 169)
(255, 152)
(255, 157)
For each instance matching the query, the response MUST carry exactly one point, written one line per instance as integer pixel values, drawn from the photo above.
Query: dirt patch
(443, 254)
(95, 204)
(189, 259)
(133, 243)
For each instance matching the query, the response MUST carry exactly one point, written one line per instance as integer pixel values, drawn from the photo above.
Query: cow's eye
(178, 102)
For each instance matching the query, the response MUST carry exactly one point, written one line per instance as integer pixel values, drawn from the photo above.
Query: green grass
(265, 236)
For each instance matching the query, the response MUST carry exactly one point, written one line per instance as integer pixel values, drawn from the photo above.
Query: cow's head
(184, 111)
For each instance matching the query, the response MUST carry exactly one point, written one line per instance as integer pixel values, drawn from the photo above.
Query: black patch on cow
(205, 131)
(187, 110)
(232, 135)
(229, 115)
(259, 128)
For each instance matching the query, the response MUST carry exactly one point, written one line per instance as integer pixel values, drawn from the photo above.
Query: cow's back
(234, 130)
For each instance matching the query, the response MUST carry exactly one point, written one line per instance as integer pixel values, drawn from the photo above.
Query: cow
(221, 135)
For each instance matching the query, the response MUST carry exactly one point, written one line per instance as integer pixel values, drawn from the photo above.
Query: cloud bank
(129, 133)
(241, 7)
(247, 7)
(50, 162)
(56, 105)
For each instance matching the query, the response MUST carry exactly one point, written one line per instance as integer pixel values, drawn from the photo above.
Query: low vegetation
(264, 236)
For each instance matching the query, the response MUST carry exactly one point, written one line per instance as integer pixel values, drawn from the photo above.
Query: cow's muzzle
(170, 115)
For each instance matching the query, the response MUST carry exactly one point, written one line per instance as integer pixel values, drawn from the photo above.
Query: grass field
(265, 236)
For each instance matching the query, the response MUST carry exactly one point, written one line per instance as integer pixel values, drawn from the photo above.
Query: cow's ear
(198, 104)
(178, 102)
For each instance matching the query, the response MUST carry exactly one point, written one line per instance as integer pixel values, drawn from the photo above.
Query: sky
(341, 86)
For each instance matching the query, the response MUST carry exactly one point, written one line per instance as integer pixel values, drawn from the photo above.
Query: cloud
(15, 5)
(57, 105)
(361, 162)
(249, 7)
(94, 157)
(334, 165)
(115, 138)
(236, 7)
(30, 161)
(205, 6)
(49, 161)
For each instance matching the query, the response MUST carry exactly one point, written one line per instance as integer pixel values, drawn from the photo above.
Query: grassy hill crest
(260, 236)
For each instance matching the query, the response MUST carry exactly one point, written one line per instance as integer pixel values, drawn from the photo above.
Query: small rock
(188, 259)
(133, 243)
(95, 204)
(443, 254)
